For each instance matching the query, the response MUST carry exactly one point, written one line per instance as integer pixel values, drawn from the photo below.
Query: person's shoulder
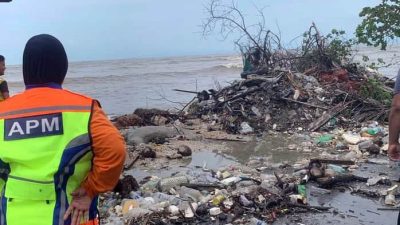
(77, 94)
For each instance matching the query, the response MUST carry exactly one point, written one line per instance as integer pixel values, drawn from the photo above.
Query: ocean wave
(233, 65)
(228, 66)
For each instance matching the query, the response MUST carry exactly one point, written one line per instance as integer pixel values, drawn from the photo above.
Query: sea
(124, 85)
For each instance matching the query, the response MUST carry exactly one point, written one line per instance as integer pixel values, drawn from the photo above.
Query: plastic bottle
(390, 199)
(301, 190)
(167, 183)
(136, 213)
(337, 169)
(191, 193)
(162, 197)
(217, 200)
(374, 130)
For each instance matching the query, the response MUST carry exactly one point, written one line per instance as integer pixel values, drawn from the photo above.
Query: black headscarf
(44, 61)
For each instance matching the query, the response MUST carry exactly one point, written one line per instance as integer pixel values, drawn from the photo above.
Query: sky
(103, 30)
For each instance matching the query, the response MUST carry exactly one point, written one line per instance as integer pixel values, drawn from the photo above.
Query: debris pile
(289, 100)
(317, 84)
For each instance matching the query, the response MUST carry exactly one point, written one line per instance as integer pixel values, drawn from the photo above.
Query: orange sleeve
(108, 148)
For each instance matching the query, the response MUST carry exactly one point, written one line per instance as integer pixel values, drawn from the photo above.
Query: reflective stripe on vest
(49, 155)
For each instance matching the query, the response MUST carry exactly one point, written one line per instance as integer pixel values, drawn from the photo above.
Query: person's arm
(109, 154)
(4, 89)
(108, 159)
(394, 128)
(394, 122)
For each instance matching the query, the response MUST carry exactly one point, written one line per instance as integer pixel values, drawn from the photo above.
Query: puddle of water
(211, 160)
(274, 147)
(352, 210)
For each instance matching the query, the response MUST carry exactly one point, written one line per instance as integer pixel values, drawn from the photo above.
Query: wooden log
(332, 161)
(340, 178)
(327, 116)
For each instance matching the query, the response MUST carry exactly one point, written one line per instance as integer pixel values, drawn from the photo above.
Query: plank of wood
(328, 115)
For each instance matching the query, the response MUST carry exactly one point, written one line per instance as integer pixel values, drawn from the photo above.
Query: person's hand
(79, 207)
(393, 152)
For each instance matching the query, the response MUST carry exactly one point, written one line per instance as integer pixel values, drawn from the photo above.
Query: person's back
(50, 120)
(59, 146)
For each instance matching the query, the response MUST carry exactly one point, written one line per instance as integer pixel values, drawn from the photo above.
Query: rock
(156, 134)
(126, 185)
(374, 149)
(316, 172)
(351, 138)
(202, 210)
(146, 151)
(184, 150)
(292, 147)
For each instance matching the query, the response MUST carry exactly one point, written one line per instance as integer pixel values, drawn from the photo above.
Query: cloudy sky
(100, 29)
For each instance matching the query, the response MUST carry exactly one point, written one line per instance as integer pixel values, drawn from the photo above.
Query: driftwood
(327, 116)
(131, 163)
(340, 178)
(201, 186)
(332, 161)
(389, 209)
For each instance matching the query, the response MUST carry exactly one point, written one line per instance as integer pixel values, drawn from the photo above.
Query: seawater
(124, 85)
(121, 86)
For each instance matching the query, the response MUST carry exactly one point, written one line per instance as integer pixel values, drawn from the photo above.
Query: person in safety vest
(60, 148)
(4, 93)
